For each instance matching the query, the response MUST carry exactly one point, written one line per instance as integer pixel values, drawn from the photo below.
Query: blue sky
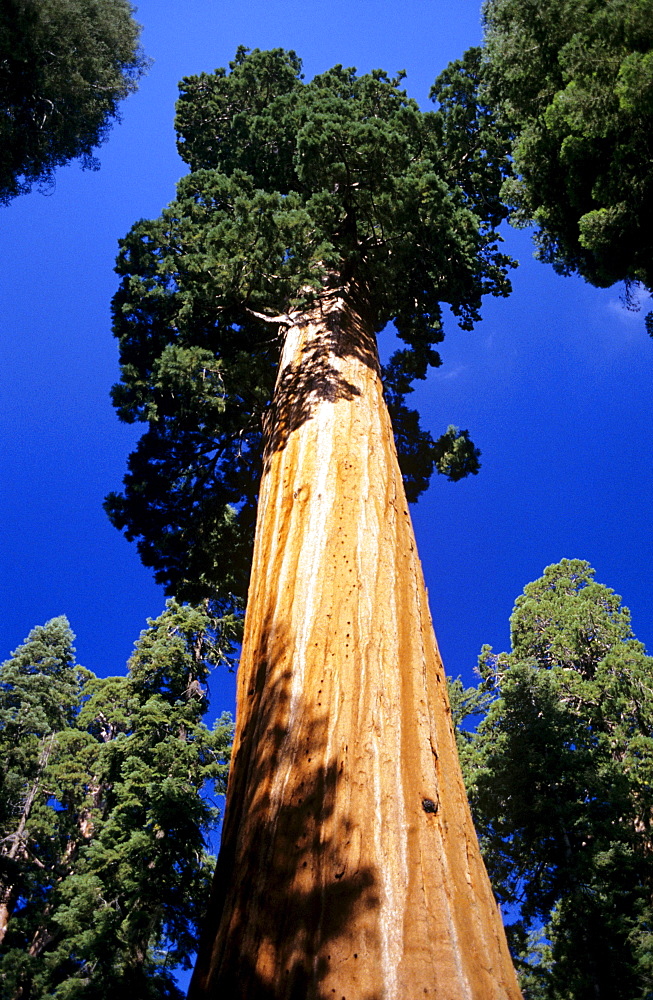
(554, 384)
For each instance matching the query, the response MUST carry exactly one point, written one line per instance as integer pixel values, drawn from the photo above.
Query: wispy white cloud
(449, 373)
(631, 309)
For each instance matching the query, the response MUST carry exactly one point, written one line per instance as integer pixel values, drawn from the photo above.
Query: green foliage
(295, 186)
(574, 82)
(174, 656)
(455, 455)
(39, 691)
(39, 683)
(105, 872)
(65, 65)
(560, 776)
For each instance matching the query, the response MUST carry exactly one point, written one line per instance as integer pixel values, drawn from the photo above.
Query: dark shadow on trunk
(282, 889)
(346, 332)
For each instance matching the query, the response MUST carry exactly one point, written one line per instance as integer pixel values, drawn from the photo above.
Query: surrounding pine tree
(573, 79)
(109, 874)
(65, 65)
(560, 776)
(39, 694)
(314, 214)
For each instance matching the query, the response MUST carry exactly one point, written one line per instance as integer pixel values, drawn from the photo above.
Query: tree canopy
(104, 868)
(65, 65)
(559, 773)
(574, 82)
(294, 186)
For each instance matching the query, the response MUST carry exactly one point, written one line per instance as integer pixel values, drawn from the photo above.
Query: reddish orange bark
(349, 865)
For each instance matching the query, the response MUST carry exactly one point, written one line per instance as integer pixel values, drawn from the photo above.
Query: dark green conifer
(65, 65)
(573, 81)
(111, 873)
(560, 776)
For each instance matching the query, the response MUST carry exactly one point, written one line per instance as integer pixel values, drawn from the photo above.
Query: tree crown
(574, 83)
(295, 187)
(65, 65)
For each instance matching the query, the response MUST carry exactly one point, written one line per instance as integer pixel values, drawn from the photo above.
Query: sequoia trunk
(349, 865)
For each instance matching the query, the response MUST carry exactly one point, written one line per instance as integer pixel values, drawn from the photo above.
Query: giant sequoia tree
(313, 215)
(573, 79)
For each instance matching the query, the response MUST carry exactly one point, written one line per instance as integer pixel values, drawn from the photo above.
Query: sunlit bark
(349, 866)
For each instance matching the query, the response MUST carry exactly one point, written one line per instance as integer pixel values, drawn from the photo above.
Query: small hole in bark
(429, 806)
